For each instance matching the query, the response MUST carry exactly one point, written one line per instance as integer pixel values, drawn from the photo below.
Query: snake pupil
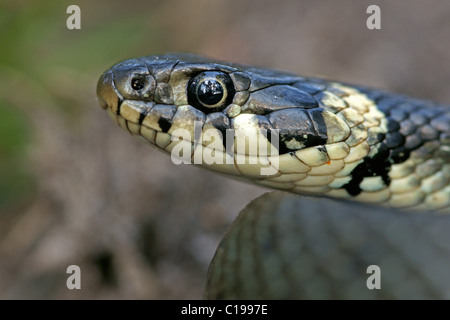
(210, 92)
(138, 83)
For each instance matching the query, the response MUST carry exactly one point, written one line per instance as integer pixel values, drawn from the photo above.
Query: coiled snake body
(313, 137)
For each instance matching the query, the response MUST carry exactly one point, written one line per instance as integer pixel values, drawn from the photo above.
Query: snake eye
(210, 91)
(137, 83)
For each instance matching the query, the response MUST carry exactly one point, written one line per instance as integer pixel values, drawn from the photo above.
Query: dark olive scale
(394, 140)
(311, 87)
(264, 124)
(278, 97)
(299, 125)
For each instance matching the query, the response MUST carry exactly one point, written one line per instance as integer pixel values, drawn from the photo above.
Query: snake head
(273, 128)
(243, 118)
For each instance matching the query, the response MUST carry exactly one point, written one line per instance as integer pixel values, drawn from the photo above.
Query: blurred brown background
(76, 189)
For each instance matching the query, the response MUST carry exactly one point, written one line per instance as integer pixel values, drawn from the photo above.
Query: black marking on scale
(119, 105)
(378, 164)
(143, 115)
(164, 124)
(368, 168)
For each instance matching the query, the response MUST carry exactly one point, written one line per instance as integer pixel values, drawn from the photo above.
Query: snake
(362, 175)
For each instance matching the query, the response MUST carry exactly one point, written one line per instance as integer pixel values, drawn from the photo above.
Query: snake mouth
(141, 118)
(180, 131)
(144, 119)
(147, 120)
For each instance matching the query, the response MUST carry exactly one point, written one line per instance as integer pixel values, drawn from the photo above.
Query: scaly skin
(323, 138)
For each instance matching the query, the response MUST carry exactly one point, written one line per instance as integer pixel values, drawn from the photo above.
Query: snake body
(313, 137)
